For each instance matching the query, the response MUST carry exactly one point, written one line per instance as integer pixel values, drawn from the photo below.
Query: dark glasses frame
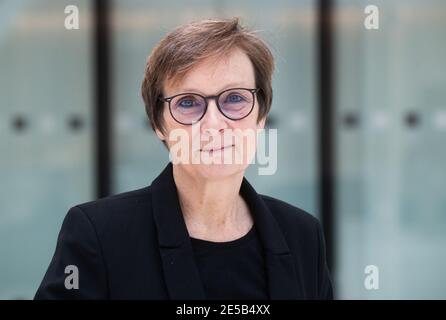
(214, 97)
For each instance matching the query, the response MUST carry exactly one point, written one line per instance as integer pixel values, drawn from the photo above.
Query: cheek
(248, 124)
(246, 138)
(172, 128)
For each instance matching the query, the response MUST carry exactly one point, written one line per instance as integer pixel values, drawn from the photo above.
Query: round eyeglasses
(234, 104)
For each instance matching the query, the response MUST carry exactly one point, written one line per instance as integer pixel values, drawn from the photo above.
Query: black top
(233, 269)
(135, 245)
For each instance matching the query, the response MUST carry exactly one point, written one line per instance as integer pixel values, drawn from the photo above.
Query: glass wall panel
(45, 134)
(391, 133)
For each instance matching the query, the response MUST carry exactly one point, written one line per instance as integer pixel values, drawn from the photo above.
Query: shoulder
(305, 239)
(114, 208)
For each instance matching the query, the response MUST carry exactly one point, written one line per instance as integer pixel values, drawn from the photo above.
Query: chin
(218, 171)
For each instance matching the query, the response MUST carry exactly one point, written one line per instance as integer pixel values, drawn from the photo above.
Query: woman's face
(215, 146)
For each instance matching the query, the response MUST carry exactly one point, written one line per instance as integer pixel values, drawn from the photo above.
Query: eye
(234, 98)
(186, 102)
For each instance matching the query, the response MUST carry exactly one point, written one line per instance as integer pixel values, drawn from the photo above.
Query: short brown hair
(186, 46)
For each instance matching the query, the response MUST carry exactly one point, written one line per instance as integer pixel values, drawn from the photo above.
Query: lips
(216, 148)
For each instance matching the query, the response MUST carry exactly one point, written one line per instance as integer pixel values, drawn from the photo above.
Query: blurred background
(361, 119)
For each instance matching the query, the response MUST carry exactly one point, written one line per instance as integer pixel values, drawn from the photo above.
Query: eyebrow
(229, 86)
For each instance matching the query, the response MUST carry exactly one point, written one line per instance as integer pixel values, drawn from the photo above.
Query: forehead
(215, 74)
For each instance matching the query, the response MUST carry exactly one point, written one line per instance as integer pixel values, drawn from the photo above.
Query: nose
(213, 118)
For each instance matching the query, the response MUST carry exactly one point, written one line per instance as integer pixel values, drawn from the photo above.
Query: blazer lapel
(284, 280)
(180, 270)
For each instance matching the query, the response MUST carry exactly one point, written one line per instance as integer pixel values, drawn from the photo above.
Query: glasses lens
(187, 108)
(236, 103)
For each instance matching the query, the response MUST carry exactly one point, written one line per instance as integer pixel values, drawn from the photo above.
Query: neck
(212, 208)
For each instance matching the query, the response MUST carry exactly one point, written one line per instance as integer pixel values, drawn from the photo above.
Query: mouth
(216, 149)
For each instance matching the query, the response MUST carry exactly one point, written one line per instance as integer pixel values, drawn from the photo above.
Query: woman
(200, 230)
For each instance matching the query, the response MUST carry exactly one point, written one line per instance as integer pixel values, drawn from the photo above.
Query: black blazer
(135, 245)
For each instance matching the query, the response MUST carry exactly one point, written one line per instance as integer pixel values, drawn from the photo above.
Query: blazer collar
(180, 270)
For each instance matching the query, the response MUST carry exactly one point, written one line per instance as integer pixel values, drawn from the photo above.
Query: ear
(261, 123)
(160, 134)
